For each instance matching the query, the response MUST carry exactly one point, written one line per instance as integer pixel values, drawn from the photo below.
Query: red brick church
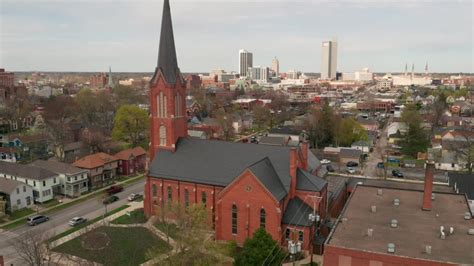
(243, 186)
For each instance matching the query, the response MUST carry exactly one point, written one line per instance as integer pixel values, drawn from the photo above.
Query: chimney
(293, 168)
(428, 186)
(304, 152)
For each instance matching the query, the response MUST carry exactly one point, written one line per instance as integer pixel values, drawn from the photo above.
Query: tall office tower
(245, 61)
(329, 60)
(276, 66)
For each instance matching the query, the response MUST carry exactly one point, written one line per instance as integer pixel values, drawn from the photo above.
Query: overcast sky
(90, 35)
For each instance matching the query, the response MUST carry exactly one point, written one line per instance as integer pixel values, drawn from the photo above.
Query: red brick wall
(335, 256)
(249, 195)
(294, 235)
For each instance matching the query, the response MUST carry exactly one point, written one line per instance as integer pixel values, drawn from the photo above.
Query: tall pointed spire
(167, 61)
(111, 82)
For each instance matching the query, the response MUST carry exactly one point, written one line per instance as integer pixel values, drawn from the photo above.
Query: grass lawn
(49, 203)
(126, 246)
(167, 228)
(21, 213)
(136, 217)
(76, 228)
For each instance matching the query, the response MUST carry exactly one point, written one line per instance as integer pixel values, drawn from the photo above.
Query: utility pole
(314, 219)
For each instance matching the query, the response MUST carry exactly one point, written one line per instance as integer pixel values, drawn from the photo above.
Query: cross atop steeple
(167, 60)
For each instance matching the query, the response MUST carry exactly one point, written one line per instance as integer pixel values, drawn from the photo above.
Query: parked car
(77, 221)
(352, 164)
(393, 160)
(350, 170)
(330, 168)
(110, 199)
(134, 196)
(397, 173)
(114, 189)
(325, 161)
(37, 219)
(380, 165)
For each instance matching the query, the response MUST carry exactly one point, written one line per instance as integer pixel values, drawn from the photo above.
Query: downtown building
(245, 62)
(242, 186)
(329, 60)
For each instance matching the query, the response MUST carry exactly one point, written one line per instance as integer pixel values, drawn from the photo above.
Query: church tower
(167, 93)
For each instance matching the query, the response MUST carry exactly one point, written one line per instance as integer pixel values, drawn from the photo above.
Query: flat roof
(416, 228)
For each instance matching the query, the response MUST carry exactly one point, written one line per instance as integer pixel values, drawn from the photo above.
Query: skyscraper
(245, 61)
(276, 66)
(329, 60)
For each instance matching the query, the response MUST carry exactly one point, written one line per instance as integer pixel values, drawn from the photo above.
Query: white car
(325, 161)
(134, 196)
(350, 170)
(77, 220)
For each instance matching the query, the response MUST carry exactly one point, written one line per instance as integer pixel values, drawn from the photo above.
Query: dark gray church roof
(464, 183)
(297, 213)
(266, 173)
(309, 182)
(218, 162)
(167, 60)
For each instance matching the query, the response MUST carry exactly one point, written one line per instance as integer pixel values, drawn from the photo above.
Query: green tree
(415, 140)
(261, 249)
(350, 131)
(131, 125)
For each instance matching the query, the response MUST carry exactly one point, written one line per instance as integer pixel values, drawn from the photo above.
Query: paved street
(57, 224)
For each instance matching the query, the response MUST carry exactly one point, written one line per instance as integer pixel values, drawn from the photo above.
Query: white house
(17, 194)
(45, 184)
(73, 180)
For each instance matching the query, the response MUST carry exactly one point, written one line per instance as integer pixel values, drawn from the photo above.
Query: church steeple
(167, 60)
(167, 93)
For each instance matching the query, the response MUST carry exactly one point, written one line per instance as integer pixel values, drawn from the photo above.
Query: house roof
(350, 153)
(217, 162)
(73, 146)
(297, 212)
(167, 60)
(285, 130)
(464, 183)
(266, 173)
(278, 141)
(26, 171)
(7, 186)
(126, 154)
(308, 182)
(94, 160)
(57, 167)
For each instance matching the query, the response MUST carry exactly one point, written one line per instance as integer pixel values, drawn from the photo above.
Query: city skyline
(380, 36)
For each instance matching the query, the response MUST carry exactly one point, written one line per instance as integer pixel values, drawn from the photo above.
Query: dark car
(352, 164)
(397, 173)
(380, 165)
(110, 199)
(114, 189)
(37, 219)
(330, 168)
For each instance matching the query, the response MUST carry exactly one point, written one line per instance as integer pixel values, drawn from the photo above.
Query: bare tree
(465, 149)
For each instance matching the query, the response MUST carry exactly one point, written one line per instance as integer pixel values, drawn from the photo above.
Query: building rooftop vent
(379, 192)
(370, 232)
(467, 216)
(396, 202)
(394, 223)
(470, 231)
(433, 196)
(373, 208)
(428, 249)
(344, 220)
(391, 248)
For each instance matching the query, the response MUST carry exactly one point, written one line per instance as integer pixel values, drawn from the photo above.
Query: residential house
(349, 155)
(45, 184)
(18, 194)
(287, 132)
(275, 141)
(455, 147)
(8, 154)
(197, 134)
(131, 161)
(363, 145)
(73, 180)
(101, 169)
